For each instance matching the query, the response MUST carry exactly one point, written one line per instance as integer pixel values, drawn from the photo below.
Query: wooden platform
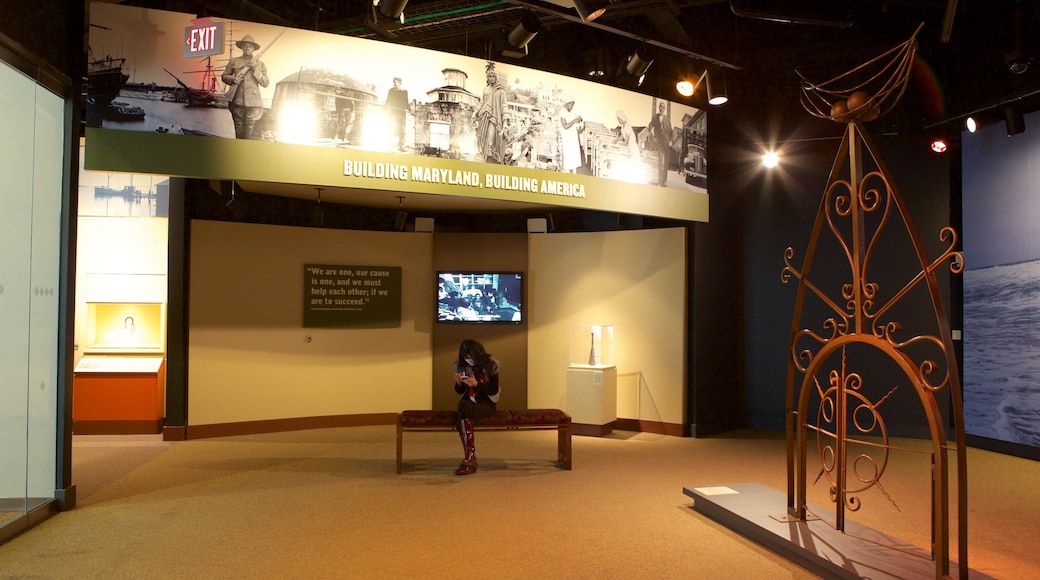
(752, 510)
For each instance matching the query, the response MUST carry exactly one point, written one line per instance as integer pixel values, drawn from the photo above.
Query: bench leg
(564, 446)
(400, 434)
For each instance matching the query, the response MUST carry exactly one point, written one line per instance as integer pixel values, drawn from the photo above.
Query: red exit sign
(204, 38)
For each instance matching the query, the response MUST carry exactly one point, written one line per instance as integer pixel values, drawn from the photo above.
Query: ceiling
(965, 51)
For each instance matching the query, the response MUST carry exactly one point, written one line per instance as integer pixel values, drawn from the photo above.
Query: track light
(771, 159)
(392, 9)
(717, 89)
(522, 33)
(1014, 121)
(939, 145)
(590, 10)
(638, 63)
(971, 125)
(595, 62)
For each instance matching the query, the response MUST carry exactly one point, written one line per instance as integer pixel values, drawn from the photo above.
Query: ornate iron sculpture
(859, 204)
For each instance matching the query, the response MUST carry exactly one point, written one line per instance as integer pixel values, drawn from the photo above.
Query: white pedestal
(592, 399)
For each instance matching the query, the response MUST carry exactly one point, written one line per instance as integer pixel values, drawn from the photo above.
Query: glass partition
(32, 157)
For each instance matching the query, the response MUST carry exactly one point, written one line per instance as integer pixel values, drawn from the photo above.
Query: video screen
(480, 297)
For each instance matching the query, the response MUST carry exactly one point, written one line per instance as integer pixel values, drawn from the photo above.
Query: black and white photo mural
(1001, 209)
(377, 107)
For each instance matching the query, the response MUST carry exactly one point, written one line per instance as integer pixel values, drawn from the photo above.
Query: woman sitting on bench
(476, 379)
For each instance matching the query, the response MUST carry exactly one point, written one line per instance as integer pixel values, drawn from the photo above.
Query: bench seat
(502, 420)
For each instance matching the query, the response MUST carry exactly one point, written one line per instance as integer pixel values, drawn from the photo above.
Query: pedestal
(592, 399)
(118, 395)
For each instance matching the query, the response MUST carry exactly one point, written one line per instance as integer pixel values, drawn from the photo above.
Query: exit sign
(203, 38)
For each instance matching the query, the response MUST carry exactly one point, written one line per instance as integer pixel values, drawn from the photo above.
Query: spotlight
(1017, 62)
(971, 125)
(1014, 121)
(590, 10)
(596, 62)
(392, 9)
(523, 32)
(716, 90)
(771, 159)
(638, 63)
(939, 145)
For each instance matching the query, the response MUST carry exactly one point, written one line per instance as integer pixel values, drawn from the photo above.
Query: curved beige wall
(248, 355)
(634, 280)
(249, 360)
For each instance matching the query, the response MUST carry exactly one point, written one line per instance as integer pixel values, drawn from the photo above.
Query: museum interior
(827, 266)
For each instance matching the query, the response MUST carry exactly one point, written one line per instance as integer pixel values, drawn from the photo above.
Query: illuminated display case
(592, 346)
(125, 327)
(119, 384)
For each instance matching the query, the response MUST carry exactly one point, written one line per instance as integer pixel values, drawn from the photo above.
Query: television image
(480, 297)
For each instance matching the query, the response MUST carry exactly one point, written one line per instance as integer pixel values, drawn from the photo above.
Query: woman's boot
(469, 462)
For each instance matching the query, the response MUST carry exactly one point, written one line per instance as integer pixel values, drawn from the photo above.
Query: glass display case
(125, 327)
(592, 379)
(592, 346)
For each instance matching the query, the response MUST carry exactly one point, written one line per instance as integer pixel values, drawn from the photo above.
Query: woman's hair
(474, 349)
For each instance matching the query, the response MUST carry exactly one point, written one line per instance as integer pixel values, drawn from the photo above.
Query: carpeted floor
(327, 504)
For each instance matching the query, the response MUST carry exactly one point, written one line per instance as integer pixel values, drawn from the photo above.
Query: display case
(592, 346)
(118, 394)
(125, 327)
(592, 380)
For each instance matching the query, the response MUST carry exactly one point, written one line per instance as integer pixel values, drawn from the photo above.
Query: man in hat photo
(244, 75)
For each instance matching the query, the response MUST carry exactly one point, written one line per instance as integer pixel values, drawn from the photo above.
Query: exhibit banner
(176, 95)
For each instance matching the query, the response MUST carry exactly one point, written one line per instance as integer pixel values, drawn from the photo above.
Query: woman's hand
(466, 379)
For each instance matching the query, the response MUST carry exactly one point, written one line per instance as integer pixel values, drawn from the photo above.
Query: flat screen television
(476, 297)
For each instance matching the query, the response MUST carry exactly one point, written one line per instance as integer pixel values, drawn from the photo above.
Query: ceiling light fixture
(392, 9)
(590, 10)
(971, 124)
(716, 89)
(939, 145)
(638, 63)
(1014, 121)
(522, 33)
(771, 159)
(596, 62)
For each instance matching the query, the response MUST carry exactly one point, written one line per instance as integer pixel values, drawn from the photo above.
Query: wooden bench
(502, 420)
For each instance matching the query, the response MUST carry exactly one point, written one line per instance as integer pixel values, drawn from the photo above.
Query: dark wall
(715, 365)
(780, 207)
(51, 31)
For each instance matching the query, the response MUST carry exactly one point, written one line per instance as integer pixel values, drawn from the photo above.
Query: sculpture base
(759, 513)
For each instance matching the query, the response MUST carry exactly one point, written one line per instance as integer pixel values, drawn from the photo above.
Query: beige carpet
(327, 504)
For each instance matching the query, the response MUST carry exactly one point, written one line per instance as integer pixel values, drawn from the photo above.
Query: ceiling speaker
(536, 226)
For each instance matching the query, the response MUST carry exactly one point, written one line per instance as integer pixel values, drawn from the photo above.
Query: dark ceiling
(965, 47)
